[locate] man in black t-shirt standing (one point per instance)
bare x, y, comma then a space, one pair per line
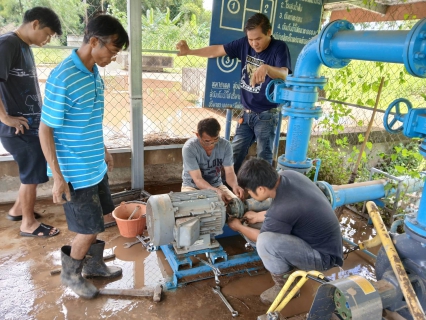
299, 230
20, 110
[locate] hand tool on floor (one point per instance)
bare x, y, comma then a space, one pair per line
58, 271
140, 240
155, 293
144, 241
215, 270
218, 292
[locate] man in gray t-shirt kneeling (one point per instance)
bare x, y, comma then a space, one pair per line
203, 159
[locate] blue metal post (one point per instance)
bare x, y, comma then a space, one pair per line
228, 124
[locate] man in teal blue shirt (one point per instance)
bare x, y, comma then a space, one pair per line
72, 141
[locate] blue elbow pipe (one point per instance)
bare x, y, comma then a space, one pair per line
336, 45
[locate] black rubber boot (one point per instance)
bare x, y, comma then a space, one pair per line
94, 265
71, 275
268, 296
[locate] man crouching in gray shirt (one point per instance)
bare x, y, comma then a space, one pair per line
203, 159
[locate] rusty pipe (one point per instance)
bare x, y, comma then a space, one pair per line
396, 263
370, 243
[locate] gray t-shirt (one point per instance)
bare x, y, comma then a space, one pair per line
302, 210
195, 157
19, 89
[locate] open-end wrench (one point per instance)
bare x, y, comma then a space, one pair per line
130, 244
218, 292
140, 240
215, 270
144, 241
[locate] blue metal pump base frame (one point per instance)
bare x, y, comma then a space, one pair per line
201, 271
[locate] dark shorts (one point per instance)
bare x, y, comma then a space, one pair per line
26, 151
85, 211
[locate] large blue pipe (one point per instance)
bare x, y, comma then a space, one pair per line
364, 191
336, 45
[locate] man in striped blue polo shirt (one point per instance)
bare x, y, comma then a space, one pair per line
72, 141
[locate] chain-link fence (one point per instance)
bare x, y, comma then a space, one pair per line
173, 87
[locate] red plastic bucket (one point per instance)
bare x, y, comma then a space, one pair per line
135, 226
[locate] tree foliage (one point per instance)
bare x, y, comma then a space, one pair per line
69, 11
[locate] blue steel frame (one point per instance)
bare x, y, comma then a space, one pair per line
178, 261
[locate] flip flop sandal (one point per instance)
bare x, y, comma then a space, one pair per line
19, 218
44, 229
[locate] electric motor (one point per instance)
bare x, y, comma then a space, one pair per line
188, 220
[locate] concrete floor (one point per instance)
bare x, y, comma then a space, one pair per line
28, 291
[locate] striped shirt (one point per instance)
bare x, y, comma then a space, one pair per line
74, 107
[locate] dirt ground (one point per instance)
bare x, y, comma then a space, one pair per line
28, 291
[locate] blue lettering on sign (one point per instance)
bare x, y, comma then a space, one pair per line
293, 21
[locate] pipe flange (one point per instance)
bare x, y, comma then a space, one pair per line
328, 191
293, 112
414, 54
414, 231
302, 167
306, 81
326, 35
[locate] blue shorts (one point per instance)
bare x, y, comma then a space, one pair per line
85, 211
26, 151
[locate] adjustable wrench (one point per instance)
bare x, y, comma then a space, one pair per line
217, 291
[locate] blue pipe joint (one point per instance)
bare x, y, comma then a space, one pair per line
302, 166
414, 55
325, 50
328, 191
414, 229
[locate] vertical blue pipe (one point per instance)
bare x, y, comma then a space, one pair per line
421, 217
298, 135
228, 124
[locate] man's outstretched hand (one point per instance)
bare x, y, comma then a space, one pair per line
182, 47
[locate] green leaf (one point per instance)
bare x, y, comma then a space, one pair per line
400, 169
370, 102
365, 87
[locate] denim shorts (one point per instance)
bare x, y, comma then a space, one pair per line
26, 151
85, 211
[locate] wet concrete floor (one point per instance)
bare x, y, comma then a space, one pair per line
28, 291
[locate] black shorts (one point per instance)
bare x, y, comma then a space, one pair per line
26, 151
85, 211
